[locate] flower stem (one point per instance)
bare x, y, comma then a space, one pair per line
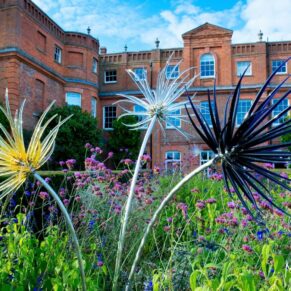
160, 208
124, 219
69, 224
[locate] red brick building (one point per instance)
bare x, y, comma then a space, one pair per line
40, 62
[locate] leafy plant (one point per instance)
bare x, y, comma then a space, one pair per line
80, 129
122, 141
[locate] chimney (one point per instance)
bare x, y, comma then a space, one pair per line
103, 50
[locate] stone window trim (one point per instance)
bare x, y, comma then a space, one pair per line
276, 63
207, 66
283, 105
109, 115
110, 76
58, 54
176, 121
172, 72
71, 95
172, 157
94, 66
241, 66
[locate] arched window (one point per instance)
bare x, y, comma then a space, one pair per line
207, 66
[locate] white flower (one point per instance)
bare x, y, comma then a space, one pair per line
160, 102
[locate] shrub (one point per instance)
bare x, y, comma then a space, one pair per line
80, 129
124, 142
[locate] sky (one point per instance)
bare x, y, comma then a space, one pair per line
138, 23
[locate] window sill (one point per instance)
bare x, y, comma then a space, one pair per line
41, 51
113, 82
107, 129
207, 77
58, 62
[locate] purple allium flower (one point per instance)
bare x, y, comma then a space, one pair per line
262, 275
284, 175
88, 146
78, 198
110, 155
170, 219
66, 202
62, 163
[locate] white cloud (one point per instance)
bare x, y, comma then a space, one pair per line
117, 23
272, 17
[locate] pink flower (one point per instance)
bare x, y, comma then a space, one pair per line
167, 228
146, 158
269, 166
195, 190
284, 175
88, 146
110, 155
66, 202
156, 170
200, 204
231, 205
247, 248
43, 195
210, 200
78, 198
128, 162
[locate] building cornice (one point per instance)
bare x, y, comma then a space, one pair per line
196, 89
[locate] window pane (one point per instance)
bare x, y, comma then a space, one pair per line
109, 116
172, 72
141, 73
204, 109
276, 64
110, 76
93, 106
241, 66
173, 160
242, 109
207, 66
282, 106
173, 121
140, 109
73, 98
94, 66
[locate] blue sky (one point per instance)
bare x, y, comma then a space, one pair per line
138, 23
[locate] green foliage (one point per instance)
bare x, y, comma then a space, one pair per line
124, 142
80, 129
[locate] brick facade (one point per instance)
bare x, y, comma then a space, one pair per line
28, 41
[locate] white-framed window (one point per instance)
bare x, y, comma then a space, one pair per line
241, 66
58, 54
278, 63
172, 160
205, 156
109, 115
110, 76
93, 107
174, 119
139, 109
207, 66
74, 98
94, 66
141, 73
172, 72
282, 106
243, 108
204, 109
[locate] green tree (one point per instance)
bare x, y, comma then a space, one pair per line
80, 129
123, 142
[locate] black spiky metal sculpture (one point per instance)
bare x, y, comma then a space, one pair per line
241, 149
